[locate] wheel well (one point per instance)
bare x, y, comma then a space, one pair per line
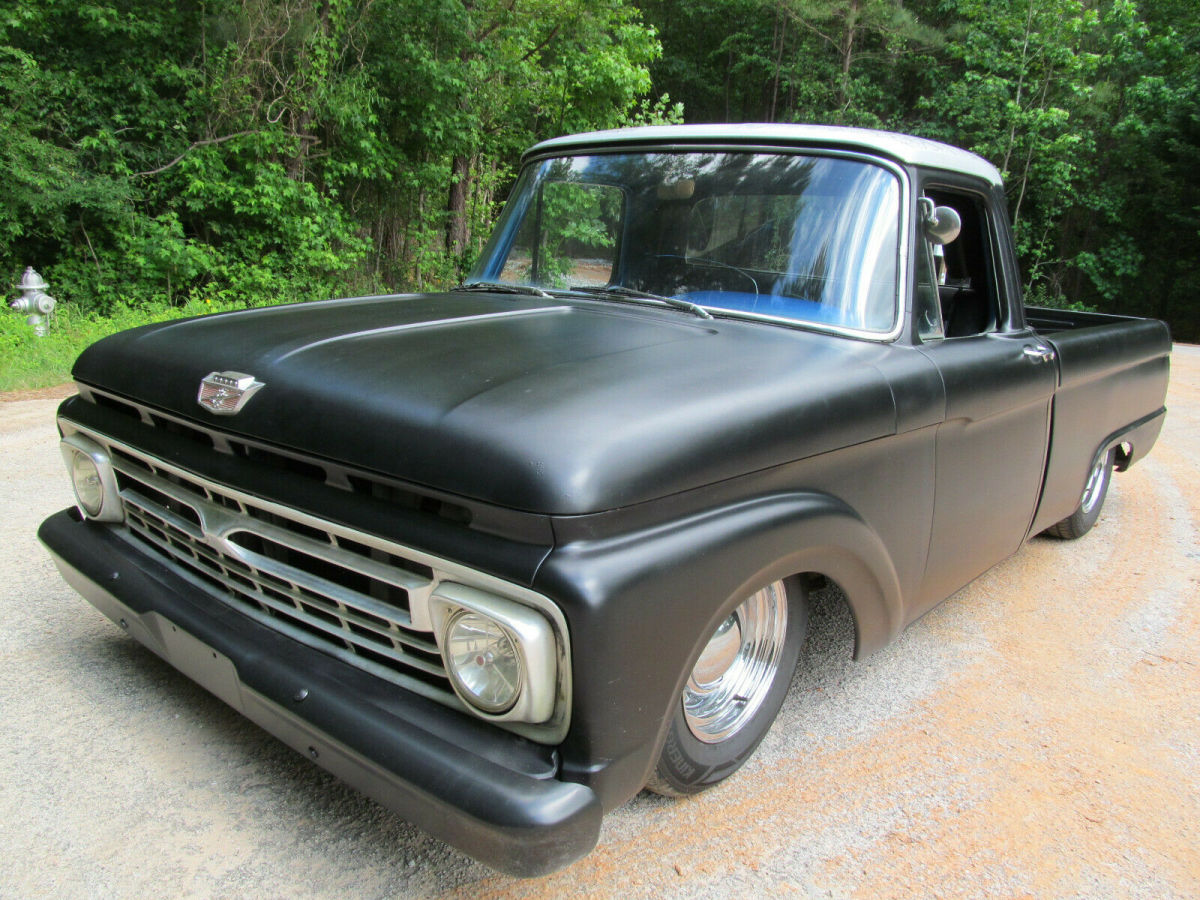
1124, 456
831, 615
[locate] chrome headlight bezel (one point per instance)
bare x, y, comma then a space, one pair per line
533, 639
109, 509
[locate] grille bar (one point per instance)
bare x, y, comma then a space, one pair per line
326, 587
230, 553
290, 604
221, 517
279, 596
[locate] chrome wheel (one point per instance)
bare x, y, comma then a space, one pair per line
1093, 491
733, 691
737, 667
1086, 514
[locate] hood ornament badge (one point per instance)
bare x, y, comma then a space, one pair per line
225, 393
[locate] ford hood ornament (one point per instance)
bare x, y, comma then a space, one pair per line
225, 393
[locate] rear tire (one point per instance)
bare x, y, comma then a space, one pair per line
1087, 512
734, 691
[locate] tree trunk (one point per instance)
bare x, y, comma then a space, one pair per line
779, 36
457, 231
302, 123
852, 14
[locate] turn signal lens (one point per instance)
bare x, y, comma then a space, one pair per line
483, 662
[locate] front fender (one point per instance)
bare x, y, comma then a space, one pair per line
640, 606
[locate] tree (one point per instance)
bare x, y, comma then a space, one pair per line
483, 80
272, 149
859, 36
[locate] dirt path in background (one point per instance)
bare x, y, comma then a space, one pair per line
1038, 735
58, 392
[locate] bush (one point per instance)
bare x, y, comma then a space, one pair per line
28, 361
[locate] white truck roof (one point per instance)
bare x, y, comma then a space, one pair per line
900, 147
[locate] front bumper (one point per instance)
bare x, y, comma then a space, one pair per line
491, 794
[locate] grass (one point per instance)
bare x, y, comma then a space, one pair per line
28, 362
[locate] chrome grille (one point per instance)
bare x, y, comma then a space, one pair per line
343, 592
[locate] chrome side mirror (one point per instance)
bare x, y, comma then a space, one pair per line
941, 223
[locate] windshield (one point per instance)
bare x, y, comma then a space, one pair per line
804, 238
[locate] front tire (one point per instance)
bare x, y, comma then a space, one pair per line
734, 691
1087, 512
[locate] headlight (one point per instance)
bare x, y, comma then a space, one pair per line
86, 478
93, 478
483, 662
502, 657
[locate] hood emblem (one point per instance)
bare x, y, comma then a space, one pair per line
225, 393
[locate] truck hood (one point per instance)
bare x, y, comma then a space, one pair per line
549, 406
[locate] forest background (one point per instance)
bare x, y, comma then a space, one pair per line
162, 158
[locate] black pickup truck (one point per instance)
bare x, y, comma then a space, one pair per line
501, 557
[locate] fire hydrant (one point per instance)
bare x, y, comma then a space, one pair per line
35, 301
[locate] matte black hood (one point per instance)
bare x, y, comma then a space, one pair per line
541, 405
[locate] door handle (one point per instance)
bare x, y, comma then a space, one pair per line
1039, 353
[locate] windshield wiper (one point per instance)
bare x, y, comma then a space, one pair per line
616, 291
503, 287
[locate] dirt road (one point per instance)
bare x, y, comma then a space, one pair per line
1037, 735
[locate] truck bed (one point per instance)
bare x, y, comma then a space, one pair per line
1112, 382
1045, 320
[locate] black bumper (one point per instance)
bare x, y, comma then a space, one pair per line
491, 794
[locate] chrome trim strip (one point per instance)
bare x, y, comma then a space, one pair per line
417, 326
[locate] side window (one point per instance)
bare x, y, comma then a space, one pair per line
966, 288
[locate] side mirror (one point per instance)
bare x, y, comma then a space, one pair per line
941, 224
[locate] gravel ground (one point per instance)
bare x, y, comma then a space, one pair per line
1037, 735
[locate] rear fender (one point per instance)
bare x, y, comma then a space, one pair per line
1112, 388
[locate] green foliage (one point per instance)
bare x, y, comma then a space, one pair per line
1019, 67
269, 149
1091, 111
28, 361
251, 151
482, 81
1041, 295
851, 62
